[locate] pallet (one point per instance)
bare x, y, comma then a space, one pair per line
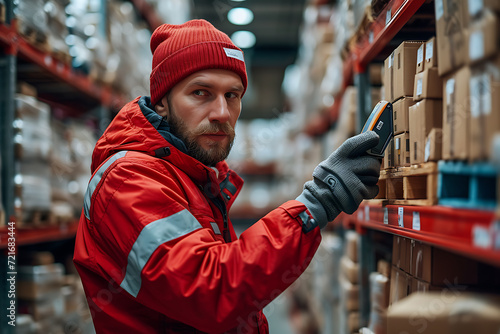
413, 185
465, 185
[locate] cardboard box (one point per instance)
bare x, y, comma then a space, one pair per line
379, 291
442, 268
349, 294
484, 87
375, 71
420, 58
434, 145
445, 313
431, 59
402, 149
400, 285
384, 268
484, 37
456, 115
396, 251
405, 62
388, 161
349, 269
423, 117
388, 77
37, 282
428, 85
451, 34
400, 110
353, 322
351, 245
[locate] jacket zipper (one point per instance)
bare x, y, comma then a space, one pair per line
222, 207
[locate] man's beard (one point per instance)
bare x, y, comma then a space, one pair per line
215, 153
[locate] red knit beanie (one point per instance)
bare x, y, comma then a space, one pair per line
180, 50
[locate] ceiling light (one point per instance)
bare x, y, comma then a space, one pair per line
243, 39
240, 16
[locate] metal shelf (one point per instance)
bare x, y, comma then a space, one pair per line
57, 81
382, 30
29, 236
472, 233
376, 37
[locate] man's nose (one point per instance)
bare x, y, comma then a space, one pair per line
219, 110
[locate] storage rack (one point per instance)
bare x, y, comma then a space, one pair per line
58, 84
471, 233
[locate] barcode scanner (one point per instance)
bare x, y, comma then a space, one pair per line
381, 122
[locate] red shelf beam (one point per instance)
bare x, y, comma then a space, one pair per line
28, 236
382, 33
472, 233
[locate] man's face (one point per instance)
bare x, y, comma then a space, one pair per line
202, 110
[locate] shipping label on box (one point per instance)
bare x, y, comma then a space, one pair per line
405, 62
433, 145
456, 115
484, 37
451, 34
428, 85
484, 87
430, 53
402, 149
400, 110
423, 117
420, 58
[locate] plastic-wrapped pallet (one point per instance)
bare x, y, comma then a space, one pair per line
39, 293
32, 142
32, 21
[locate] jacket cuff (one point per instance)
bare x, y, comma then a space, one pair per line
314, 207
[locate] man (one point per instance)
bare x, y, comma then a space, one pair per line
155, 248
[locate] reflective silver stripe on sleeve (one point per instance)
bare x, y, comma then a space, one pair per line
94, 181
151, 237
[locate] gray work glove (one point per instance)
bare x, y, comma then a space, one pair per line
343, 180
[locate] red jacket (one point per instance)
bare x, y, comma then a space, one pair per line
150, 246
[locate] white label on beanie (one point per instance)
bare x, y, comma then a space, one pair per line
237, 54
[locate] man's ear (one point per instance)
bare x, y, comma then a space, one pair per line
161, 107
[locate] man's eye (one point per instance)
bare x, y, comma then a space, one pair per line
231, 95
200, 92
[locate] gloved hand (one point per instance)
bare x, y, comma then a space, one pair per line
343, 180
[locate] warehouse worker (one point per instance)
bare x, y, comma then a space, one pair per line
155, 248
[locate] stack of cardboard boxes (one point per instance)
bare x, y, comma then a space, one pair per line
379, 297
53, 300
468, 43
399, 73
418, 267
425, 116
349, 285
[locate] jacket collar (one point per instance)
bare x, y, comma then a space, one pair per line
137, 127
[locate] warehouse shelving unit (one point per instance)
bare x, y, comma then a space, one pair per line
472, 233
